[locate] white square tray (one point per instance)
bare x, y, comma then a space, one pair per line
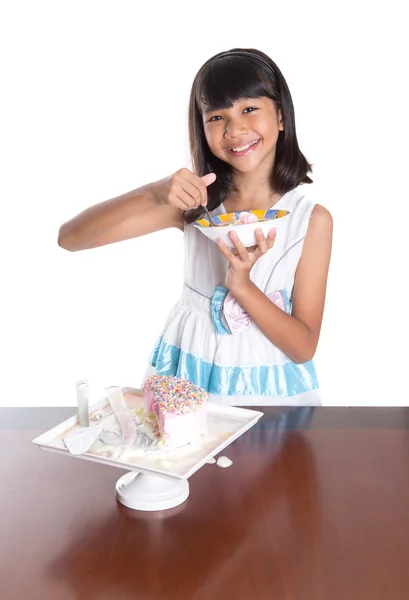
225, 424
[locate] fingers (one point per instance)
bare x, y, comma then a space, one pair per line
241, 248
263, 245
201, 188
195, 187
184, 203
187, 190
209, 179
226, 251
182, 192
206, 180
261, 241
271, 238
251, 248
193, 194
201, 184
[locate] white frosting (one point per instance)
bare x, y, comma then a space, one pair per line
224, 462
80, 439
183, 429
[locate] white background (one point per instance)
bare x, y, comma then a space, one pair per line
94, 103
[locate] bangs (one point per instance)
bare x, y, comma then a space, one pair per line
232, 78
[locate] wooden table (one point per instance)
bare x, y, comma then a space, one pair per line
314, 507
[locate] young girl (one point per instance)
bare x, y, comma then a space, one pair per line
247, 324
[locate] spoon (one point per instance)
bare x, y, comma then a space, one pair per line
211, 222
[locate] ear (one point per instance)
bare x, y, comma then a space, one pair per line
280, 121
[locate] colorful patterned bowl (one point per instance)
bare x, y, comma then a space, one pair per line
267, 220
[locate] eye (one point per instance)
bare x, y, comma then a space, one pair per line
250, 108
215, 118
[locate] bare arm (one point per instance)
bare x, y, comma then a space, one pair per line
150, 208
297, 334
130, 215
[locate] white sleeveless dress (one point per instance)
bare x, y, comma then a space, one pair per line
229, 356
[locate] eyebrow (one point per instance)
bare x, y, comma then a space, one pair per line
211, 110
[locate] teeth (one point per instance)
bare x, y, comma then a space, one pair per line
243, 147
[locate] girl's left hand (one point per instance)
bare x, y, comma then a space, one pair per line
243, 259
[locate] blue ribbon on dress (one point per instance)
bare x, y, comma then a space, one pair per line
286, 379
229, 317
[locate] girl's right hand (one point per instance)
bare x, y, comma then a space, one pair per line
183, 189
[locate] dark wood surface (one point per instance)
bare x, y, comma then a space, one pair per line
314, 507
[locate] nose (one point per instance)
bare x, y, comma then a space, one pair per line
234, 128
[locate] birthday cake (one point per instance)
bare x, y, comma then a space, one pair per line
179, 408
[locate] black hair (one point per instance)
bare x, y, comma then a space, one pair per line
226, 77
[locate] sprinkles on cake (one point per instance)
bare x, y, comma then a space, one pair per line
175, 395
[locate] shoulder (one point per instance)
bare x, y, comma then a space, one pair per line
304, 210
321, 216
318, 238
320, 223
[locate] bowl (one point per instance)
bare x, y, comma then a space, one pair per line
267, 220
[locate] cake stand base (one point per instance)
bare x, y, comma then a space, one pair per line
141, 491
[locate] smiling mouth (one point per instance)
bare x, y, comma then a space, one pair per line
244, 150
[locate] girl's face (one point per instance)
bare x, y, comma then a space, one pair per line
245, 135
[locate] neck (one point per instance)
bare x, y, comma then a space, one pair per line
254, 191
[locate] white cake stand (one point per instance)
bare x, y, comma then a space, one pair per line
143, 491
152, 484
